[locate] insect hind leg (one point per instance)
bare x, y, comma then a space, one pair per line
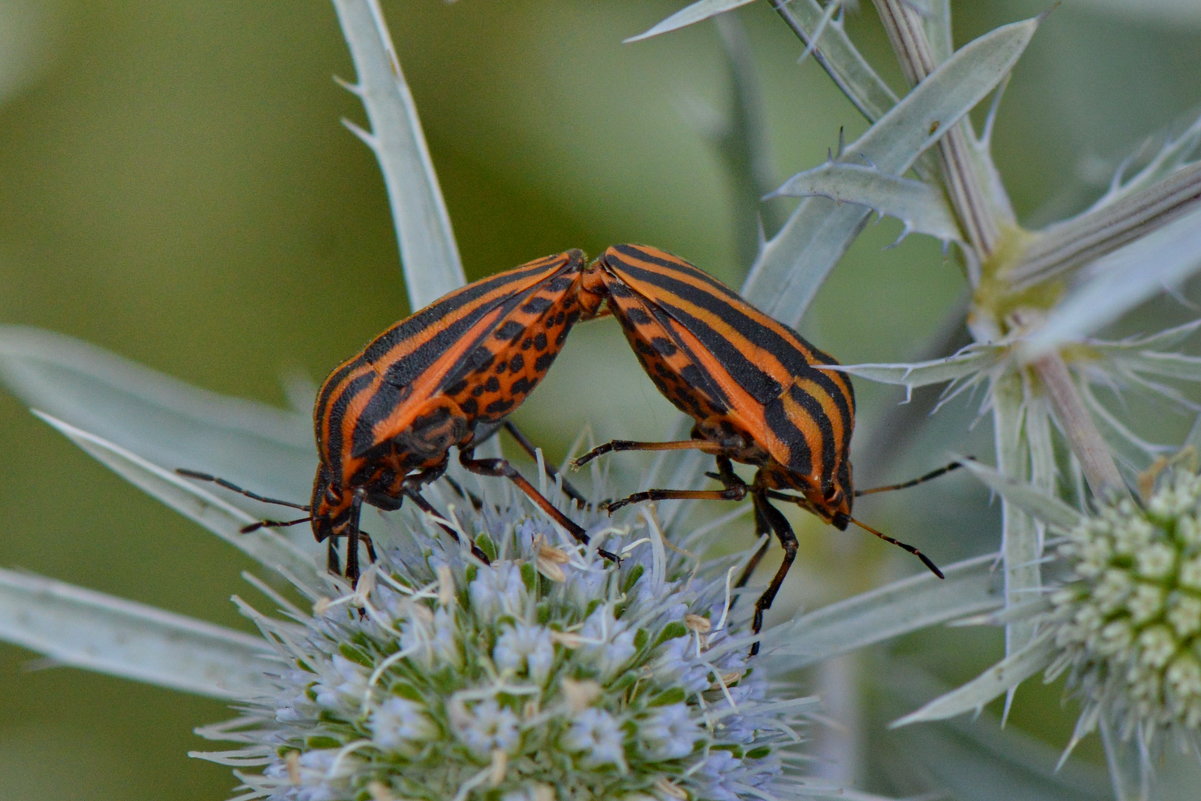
771, 517
551, 470
502, 468
414, 494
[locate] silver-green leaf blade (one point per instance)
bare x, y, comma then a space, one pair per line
156, 416
997, 680
690, 15
198, 504
919, 206
971, 587
428, 252
94, 631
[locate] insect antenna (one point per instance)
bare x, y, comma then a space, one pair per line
902, 545
229, 485
913, 482
273, 524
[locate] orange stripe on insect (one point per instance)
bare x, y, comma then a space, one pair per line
386, 419
754, 387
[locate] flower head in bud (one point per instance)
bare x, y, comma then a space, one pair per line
1127, 624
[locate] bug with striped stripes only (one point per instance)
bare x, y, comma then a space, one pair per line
755, 389
442, 378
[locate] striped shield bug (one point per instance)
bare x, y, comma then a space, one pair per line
444, 377
755, 389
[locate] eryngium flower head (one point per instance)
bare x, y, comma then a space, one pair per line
1128, 624
548, 674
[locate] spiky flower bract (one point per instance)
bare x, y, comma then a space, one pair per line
1127, 625
549, 673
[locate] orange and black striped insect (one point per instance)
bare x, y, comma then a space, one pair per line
755, 388
387, 418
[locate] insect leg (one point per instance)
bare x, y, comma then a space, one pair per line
501, 467
753, 562
735, 493
788, 541
353, 535
804, 503
735, 488
551, 470
726, 475
465, 493
414, 494
703, 445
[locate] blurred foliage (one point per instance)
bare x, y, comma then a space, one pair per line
175, 186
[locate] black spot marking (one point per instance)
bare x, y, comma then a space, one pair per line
498, 407
480, 359
508, 331
664, 346
536, 305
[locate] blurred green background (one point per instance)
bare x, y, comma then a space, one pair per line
175, 186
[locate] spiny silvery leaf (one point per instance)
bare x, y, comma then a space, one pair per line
158, 417
965, 754
919, 206
1168, 338
94, 631
833, 50
1126, 444
1071, 244
196, 503
1169, 365
1118, 282
826, 40
964, 364
428, 251
1032, 499
905, 606
1175, 151
689, 15
794, 263
998, 679
1021, 535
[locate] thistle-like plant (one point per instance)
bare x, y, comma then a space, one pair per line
548, 674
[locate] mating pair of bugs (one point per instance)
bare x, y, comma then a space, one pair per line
387, 418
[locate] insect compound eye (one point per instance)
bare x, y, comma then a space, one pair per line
833, 497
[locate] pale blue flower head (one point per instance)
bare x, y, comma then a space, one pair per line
444, 677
